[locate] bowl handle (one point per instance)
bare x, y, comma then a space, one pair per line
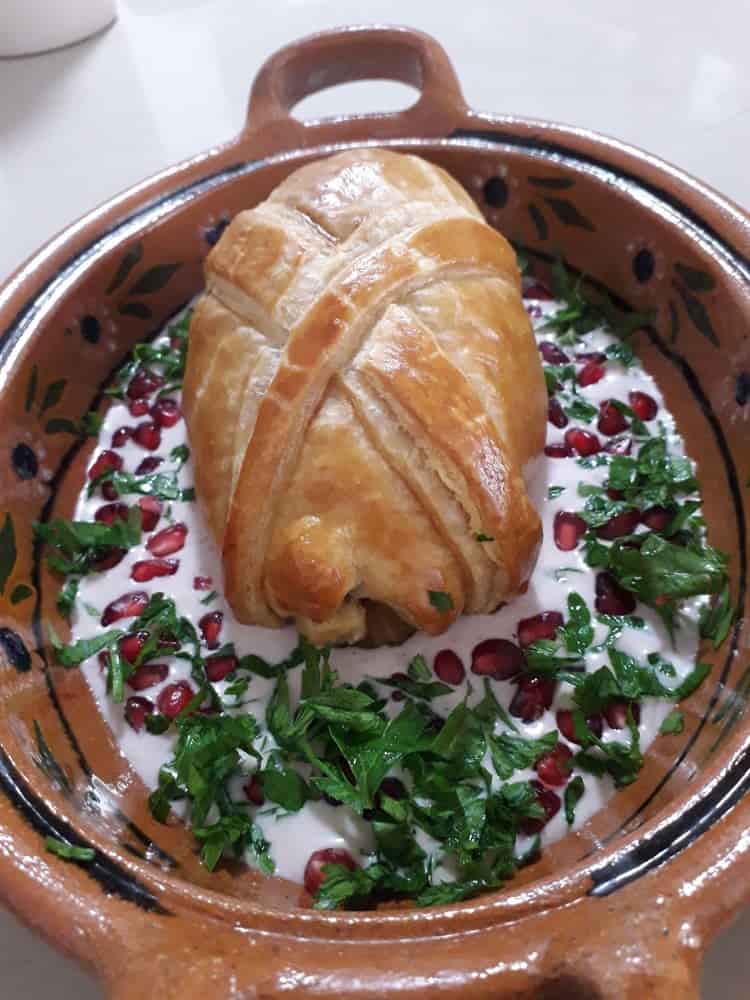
342, 56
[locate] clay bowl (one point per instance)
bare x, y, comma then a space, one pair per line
621, 908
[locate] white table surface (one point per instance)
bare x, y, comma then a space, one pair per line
171, 77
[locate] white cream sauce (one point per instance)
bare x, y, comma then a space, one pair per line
319, 825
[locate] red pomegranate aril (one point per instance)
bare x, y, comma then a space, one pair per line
174, 698
611, 598
147, 675
143, 383
498, 658
254, 791
315, 876
532, 698
210, 626
121, 437
393, 788
611, 419
619, 525
166, 412
138, 407
112, 557
591, 356
448, 667
538, 291
554, 767
150, 512
616, 713
556, 414
591, 373
217, 667
149, 464
584, 443
558, 450
109, 492
643, 405
148, 569
541, 626
147, 435
533, 310
168, 541
553, 354
550, 803
111, 512
131, 645
567, 529
136, 710
614, 494
106, 461
657, 518
126, 606
619, 446
567, 728
202, 582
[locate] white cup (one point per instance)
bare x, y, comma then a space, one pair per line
30, 26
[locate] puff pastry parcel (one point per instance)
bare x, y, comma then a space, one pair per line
363, 393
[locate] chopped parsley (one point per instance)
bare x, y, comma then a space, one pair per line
441, 601
68, 852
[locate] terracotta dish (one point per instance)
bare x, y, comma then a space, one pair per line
621, 908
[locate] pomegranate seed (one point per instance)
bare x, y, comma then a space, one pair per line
498, 658
147, 435
558, 450
111, 512
217, 667
533, 310
166, 412
566, 727
554, 767
202, 582
106, 461
596, 356
619, 446
614, 494
126, 606
393, 788
138, 407
121, 437
643, 405
611, 598
168, 540
619, 525
616, 713
314, 874
136, 710
149, 464
150, 512
131, 645
657, 518
583, 442
568, 529
538, 291
210, 626
533, 697
555, 414
147, 569
147, 675
553, 354
541, 626
254, 791
109, 492
550, 803
591, 373
448, 667
112, 557
174, 698
143, 383
611, 420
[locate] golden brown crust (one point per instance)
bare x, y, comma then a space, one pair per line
364, 348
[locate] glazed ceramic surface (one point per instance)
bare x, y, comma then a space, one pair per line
619, 908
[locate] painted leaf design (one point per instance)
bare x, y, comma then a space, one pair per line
20, 593
7, 551
154, 279
540, 223
552, 183
568, 214
695, 279
53, 394
60, 425
698, 314
130, 258
31, 389
138, 309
